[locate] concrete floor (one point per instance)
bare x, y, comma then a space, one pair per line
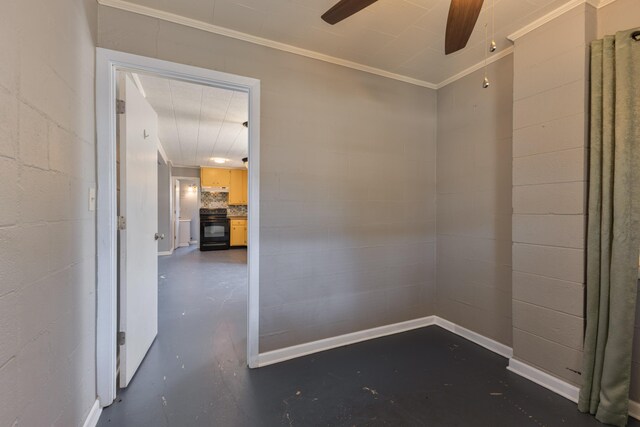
195, 373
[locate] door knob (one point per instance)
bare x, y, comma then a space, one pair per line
159, 236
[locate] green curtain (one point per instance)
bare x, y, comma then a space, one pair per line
613, 227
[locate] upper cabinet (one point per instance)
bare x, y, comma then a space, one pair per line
235, 180
238, 187
213, 177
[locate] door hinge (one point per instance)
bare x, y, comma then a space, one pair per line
122, 223
122, 337
121, 106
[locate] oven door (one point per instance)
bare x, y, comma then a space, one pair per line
214, 234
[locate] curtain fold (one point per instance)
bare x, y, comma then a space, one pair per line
613, 233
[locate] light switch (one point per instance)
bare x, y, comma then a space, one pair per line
92, 199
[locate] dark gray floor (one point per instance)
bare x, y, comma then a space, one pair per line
195, 373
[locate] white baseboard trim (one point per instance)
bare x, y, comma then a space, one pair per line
557, 385
94, 415
634, 409
547, 381
165, 253
288, 353
481, 340
305, 349
525, 370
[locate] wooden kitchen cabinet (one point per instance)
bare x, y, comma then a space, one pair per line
238, 187
238, 232
214, 177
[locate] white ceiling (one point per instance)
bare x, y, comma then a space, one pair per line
198, 122
405, 37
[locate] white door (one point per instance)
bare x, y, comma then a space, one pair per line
176, 216
138, 133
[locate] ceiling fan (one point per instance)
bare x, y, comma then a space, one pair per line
463, 15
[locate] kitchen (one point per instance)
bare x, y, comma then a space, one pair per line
223, 212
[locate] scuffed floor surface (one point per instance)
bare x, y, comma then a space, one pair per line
195, 373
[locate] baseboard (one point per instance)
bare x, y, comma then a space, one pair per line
165, 253
634, 409
518, 367
193, 242
557, 385
94, 415
300, 350
481, 340
544, 379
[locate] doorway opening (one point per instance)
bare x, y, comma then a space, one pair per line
179, 145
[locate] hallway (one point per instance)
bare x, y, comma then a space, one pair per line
202, 324
195, 373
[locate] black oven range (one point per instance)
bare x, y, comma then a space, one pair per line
214, 229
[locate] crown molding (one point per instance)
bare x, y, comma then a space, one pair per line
478, 66
603, 3
598, 4
545, 19
215, 29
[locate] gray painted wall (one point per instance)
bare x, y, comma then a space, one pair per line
47, 233
182, 172
164, 205
347, 182
617, 16
474, 202
549, 179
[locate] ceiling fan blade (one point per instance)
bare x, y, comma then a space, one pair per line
463, 15
344, 9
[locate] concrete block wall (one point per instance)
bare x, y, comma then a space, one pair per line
549, 192
474, 202
47, 233
347, 182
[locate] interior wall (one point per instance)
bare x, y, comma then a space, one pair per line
47, 233
189, 202
347, 182
550, 145
164, 205
185, 172
474, 202
618, 16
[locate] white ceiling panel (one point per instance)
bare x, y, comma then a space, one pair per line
399, 36
198, 123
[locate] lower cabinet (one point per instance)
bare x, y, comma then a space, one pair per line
238, 232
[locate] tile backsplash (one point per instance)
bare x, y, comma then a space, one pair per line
211, 200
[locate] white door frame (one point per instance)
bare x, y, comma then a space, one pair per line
108, 62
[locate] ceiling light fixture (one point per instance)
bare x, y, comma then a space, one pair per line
219, 160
